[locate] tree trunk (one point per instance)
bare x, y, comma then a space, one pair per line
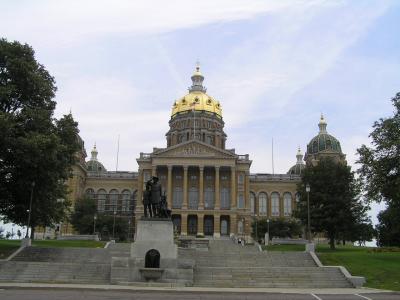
332, 243
344, 242
32, 232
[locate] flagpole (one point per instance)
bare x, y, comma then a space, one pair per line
116, 167
273, 169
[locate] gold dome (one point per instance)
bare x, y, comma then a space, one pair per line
197, 98
201, 102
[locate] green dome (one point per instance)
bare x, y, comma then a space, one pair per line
323, 142
297, 169
95, 166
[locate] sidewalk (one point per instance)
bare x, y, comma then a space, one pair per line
334, 291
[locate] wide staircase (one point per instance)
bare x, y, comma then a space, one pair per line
227, 264
61, 265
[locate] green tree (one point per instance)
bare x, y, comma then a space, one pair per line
279, 227
388, 229
82, 219
34, 146
335, 205
380, 173
380, 164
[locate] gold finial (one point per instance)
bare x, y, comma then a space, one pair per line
197, 66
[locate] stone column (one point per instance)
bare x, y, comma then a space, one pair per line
200, 224
201, 188
185, 187
217, 193
280, 205
233, 188
247, 190
183, 224
233, 224
217, 225
169, 187
153, 170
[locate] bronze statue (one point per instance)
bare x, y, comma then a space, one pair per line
156, 193
147, 200
154, 201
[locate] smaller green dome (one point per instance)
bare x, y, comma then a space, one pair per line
299, 167
93, 165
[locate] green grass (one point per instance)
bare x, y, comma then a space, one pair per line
67, 244
7, 247
284, 247
381, 269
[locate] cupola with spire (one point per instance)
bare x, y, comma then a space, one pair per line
93, 165
299, 167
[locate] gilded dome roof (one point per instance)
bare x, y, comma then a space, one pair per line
323, 141
197, 99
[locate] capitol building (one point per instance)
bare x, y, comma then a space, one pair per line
209, 188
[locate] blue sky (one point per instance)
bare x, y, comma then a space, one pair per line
274, 66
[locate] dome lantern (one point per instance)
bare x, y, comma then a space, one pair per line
197, 81
94, 153
322, 125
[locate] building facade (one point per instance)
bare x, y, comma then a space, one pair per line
210, 188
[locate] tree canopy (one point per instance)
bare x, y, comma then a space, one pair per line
335, 205
380, 173
380, 164
35, 147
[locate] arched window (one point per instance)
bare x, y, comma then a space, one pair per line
275, 204
262, 204
126, 197
177, 197
113, 200
252, 203
315, 147
101, 200
287, 204
225, 198
209, 198
90, 193
193, 198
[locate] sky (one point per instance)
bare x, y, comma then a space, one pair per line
275, 66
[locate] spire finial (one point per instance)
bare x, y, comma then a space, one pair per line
299, 156
197, 65
322, 124
94, 152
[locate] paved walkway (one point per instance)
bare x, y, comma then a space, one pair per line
86, 292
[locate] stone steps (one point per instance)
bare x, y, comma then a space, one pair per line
227, 264
20, 271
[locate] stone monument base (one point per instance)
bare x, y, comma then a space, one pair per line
153, 234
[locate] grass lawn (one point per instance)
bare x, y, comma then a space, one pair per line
381, 269
284, 247
7, 247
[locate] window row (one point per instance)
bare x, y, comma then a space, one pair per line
275, 204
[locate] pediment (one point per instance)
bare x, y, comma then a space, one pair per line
194, 149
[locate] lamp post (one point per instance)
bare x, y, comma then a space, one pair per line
115, 212
94, 224
256, 227
268, 231
308, 212
30, 210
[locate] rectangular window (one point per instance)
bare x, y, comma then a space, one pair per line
240, 200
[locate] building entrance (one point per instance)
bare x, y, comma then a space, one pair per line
208, 225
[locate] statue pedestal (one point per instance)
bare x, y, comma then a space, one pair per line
153, 233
